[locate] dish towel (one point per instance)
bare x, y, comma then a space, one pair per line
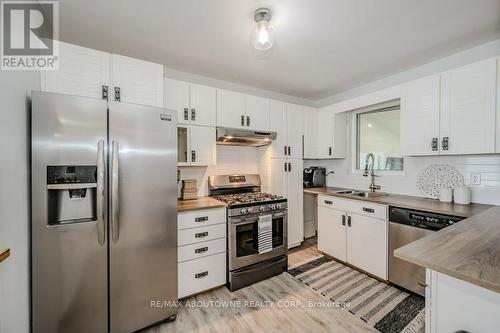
265, 236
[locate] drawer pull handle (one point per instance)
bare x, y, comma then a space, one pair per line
348, 221
343, 220
328, 202
201, 234
201, 249
201, 219
368, 210
201, 275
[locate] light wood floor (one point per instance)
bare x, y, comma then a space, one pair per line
285, 307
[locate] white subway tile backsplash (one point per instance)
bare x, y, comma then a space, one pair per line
230, 159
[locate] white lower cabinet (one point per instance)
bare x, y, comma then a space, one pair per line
355, 232
453, 305
202, 248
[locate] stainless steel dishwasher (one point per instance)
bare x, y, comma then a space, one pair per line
406, 226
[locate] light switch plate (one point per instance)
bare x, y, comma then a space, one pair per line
475, 179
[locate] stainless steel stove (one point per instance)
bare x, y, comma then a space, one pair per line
247, 207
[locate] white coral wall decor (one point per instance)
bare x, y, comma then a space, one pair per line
437, 176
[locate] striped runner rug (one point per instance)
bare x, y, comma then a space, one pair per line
384, 307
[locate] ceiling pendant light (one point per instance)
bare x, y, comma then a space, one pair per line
263, 35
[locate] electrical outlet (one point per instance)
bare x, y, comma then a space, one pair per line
475, 179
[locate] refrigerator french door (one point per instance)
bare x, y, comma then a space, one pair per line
103, 214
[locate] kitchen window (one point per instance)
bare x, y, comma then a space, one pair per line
377, 131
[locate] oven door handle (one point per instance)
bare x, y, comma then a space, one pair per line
238, 221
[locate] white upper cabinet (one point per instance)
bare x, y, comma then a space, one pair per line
257, 113
331, 134
203, 105
237, 110
277, 123
177, 98
195, 145
453, 113
82, 72
137, 81
310, 133
288, 121
195, 104
420, 103
295, 129
468, 109
230, 109
91, 73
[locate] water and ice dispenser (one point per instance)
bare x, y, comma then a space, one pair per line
71, 193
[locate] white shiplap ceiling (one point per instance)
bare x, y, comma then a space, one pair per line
323, 46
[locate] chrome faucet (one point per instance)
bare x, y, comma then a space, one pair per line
372, 186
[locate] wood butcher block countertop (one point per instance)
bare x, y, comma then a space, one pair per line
468, 250
198, 204
4, 254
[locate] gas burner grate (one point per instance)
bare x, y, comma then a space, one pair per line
243, 198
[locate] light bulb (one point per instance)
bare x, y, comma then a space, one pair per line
263, 35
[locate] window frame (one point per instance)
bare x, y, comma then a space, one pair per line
353, 128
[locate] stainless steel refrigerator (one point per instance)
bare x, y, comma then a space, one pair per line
104, 215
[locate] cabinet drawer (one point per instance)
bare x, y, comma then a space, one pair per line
202, 249
201, 218
201, 274
354, 206
201, 234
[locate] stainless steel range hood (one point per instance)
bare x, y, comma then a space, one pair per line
243, 137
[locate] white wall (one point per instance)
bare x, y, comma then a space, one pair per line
14, 203
487, 165
230, 160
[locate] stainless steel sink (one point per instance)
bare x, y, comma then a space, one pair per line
362, 194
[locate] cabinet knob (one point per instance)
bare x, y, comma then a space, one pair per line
105, 92
248, 121
193, 114
117, 94
329, 151
242, 120
186, 117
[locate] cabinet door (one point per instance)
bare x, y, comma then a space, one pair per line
140, 82
257, 113
420, 104
367, 244
468, 109
339, 145
230, 109
203, 105
332, 235
325, 134
81, 72
202, 145
295, 200
177, 98
295, 129
277, 123
310, 132
278, 177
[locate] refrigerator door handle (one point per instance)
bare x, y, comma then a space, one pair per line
101, 198
115, 208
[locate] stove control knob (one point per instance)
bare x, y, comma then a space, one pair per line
243, 211
272, 207
261, 208
250, 210
278, 206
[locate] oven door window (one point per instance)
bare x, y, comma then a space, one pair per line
247, 239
